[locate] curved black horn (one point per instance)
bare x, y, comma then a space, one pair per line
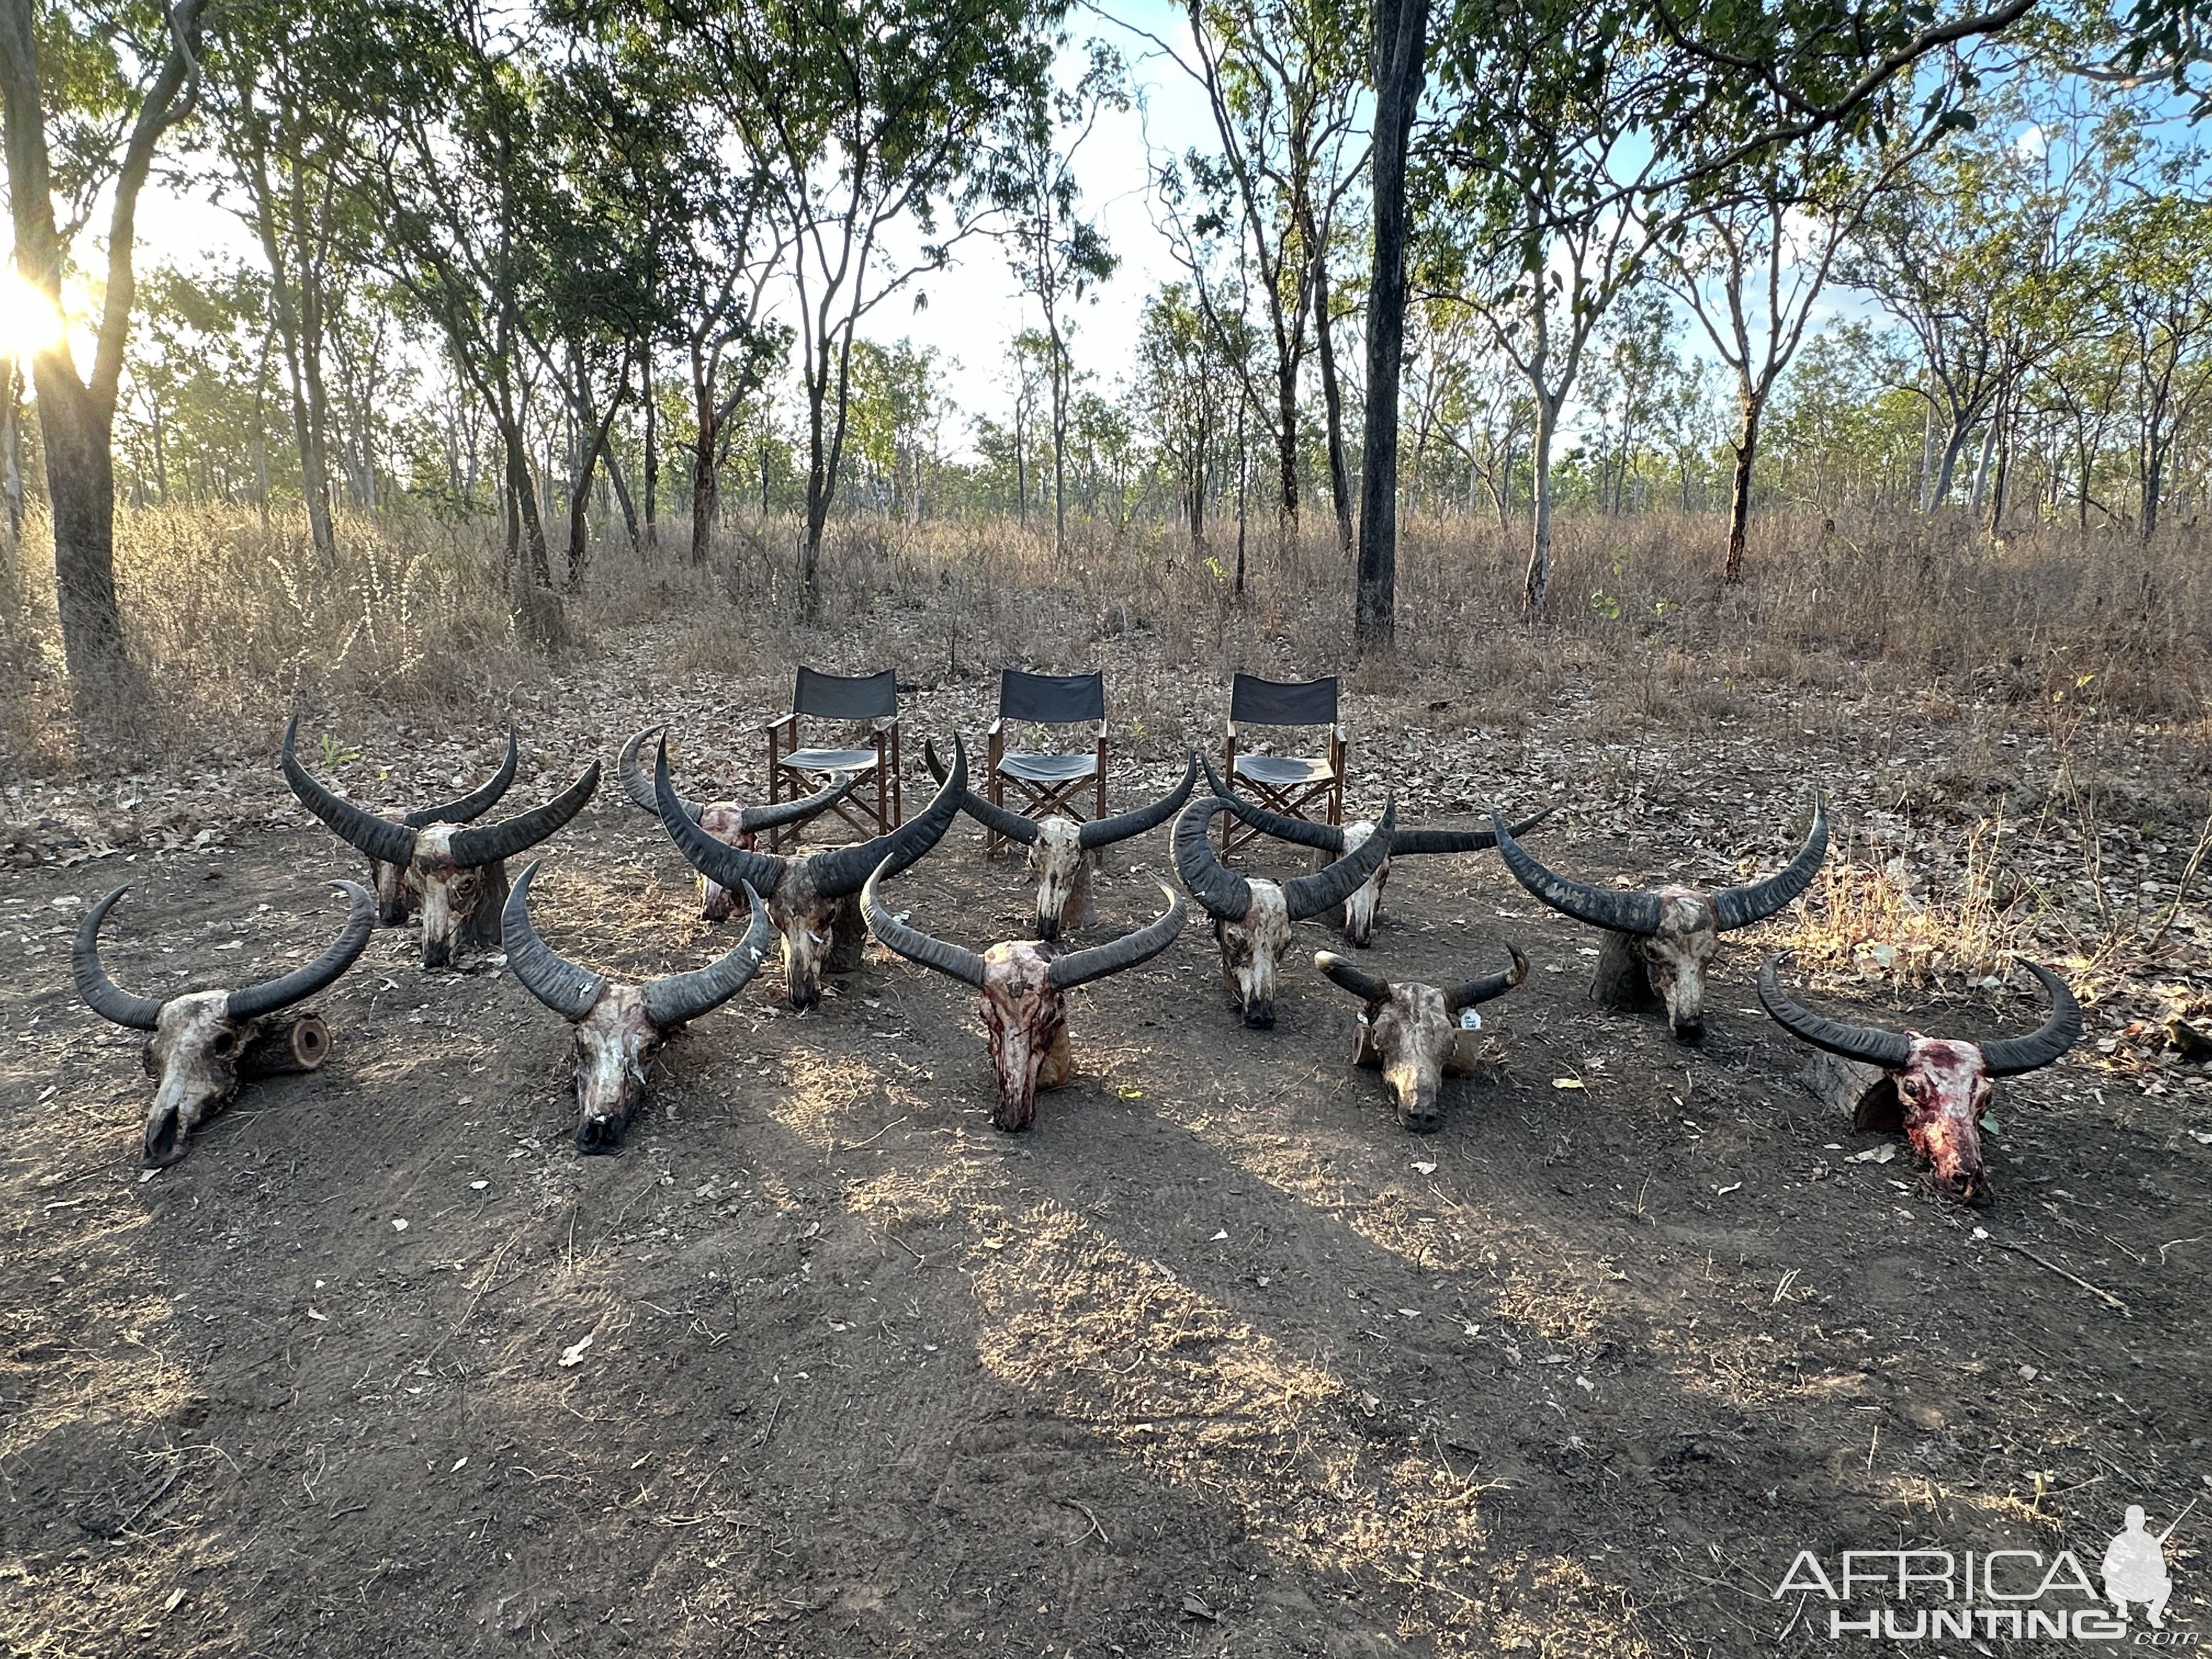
639, 787
1341, 972
253, 1001
675, 998
1601, 907
503, 840
380, 838
988, 813
1457, 997
1303, 832
1123, 826
1226, 897
726, 865
1739, 907
845, 869
467, 809
913, 945
2010, 1056
1131, 950
1308, 896
1417, 840
93, 984
567, 988
1870, 1044
752, 820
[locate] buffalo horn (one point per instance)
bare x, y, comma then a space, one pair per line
913, 945
253, 1001
467, 809
1015, 826
1081, 967
1226, 897
380, 838
100, 992
1342, 973
639, 787
1871, 1045
1601, 907
675, 998
1739, 907
752, 820
567, 988
2010, 1056
845, 869
1457, 997
1124, 826
1419, 841
1308, 896
726, 865
494, 841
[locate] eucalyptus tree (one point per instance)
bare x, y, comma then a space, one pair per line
1282, 82
2157, 270
1760, 248
1058, 254
869, 120
88, 96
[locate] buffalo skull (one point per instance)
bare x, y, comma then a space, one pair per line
196, 1040
1059, 846
1338, 839
620, 1027
1659, 942
1024, 987
811, 900
459, 874
1412, 1032
1938, 1088
1252, 919
725, 820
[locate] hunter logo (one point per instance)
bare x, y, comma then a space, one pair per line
1931, 1595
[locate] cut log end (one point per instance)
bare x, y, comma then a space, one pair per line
301, 1043
1867, 1093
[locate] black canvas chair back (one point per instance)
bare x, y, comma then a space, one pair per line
1051, 699
1046, 783
1255, 701
1310, 787
845, 696
794, 771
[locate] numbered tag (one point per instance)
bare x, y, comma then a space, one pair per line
1469, 1020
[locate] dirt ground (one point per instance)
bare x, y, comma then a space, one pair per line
1216, 1360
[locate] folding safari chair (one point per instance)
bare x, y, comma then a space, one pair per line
793, 771
1292, 785
1049, 782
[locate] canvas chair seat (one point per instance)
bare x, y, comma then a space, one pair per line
1048, 769
831, 760
1285, 771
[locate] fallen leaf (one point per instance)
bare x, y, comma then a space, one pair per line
1566, 1083
1425, 1169
574, 1355
1195, 1608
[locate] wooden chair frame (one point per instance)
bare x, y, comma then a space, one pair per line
1292, 800
1043, 798
866, 819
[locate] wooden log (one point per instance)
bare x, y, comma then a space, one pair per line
848, 937
1867, 1092
1618, 980
300, 1043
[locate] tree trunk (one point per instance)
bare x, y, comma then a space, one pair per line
652, 480
1537, 587
1287, 442
706, 478
1746, 456
522, 491
1331, 399
1400, 27
73, 431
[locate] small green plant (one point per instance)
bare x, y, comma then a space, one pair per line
1605, 604
335, 755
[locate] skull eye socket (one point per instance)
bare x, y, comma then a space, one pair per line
225, 1043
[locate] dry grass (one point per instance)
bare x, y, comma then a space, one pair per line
235, 617
1868, 914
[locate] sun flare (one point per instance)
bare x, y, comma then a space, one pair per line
29, 322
